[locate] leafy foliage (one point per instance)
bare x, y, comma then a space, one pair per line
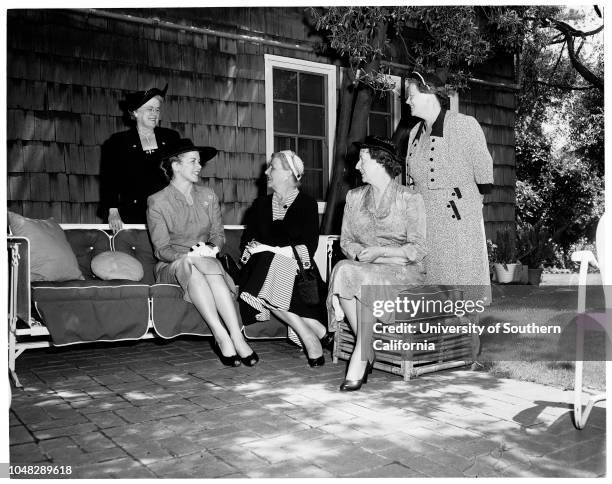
452, 39
559, 135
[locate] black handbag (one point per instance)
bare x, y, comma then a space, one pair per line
307, 282
230, 266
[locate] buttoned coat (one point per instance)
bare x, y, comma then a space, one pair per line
447, 163
129, 175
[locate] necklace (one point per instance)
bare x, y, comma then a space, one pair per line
151, 145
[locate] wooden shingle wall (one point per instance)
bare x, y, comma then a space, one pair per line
68, 71
494, 108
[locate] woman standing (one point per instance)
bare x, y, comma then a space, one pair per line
179, 217
383, 238
451, 167
281, 228
130, 161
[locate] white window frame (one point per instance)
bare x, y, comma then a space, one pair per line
330, 72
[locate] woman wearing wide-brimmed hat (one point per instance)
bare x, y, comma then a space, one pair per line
130, 160
186, 214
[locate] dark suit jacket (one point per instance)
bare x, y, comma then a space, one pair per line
128, 175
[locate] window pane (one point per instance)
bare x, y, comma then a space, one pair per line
285, 117
284, 143
285, 84
379, 125
312, 184
312, 121
311, 88
380, 102
311, 152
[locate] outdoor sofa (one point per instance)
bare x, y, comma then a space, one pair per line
91, 310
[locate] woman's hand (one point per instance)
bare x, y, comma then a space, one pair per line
114, 220
370, 254
255, 247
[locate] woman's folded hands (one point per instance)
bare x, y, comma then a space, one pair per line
383, 255
202, 249
255, 247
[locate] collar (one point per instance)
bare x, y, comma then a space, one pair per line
389, 196
288, 200
178, 195
437, 129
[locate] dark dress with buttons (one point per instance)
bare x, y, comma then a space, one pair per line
129, 175
447, 163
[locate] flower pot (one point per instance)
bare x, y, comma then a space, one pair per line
521, 274
535, 276
505, 274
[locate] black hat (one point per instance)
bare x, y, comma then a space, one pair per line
185, 145
136, 99
379, 144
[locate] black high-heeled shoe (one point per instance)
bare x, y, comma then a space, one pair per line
327, 341
250, 360
232, 360
354, 385
314, 362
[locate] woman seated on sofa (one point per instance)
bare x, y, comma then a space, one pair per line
280, 228
383, 237
180, 216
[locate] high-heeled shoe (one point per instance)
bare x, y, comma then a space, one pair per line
354, 385
327, 341
314, 362
232, 360
250, 360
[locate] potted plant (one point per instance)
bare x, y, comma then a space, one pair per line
505, 263
535, 248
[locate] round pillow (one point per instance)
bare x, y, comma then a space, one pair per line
116, 265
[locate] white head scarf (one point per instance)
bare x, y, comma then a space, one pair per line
295, 163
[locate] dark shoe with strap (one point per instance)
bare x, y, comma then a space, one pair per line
327, 341
250, 360
232, 360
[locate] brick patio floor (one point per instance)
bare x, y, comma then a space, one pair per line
151, 409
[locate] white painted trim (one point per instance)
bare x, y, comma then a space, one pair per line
454, 100
330, 71
396, 101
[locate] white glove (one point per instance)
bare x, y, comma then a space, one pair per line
202, 249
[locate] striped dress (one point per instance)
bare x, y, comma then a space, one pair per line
267, 280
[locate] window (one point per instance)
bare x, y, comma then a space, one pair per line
301, 116
385, 112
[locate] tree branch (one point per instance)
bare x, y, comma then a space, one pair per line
566, 87
570, 34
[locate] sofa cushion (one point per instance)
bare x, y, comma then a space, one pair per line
172, 315
136, 243
86, 244
113, 265
87, 311
51, 257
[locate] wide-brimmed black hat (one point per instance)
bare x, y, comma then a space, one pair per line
379, 144
185, 145
136, 99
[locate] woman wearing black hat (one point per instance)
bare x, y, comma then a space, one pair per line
448, 161
181, 216
130, 161
383, 238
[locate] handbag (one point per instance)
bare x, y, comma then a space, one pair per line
230, 266
307, 282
